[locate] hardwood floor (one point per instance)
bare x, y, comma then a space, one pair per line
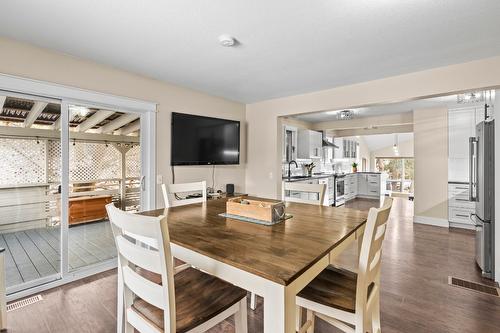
417, 261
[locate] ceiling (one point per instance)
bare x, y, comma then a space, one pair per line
286, 47
449, 101
379, 141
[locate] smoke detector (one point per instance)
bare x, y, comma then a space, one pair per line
227, 40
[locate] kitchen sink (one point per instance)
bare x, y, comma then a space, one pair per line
296, 177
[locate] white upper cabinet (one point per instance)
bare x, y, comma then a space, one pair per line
289, 143
461, 126
310, 144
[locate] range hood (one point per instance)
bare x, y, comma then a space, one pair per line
326, 143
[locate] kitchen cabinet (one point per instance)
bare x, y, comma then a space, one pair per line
370, 184
459, 206
461, 126
310, 144
349, 148
289, 143
351, 186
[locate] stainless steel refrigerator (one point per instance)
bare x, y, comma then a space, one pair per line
482, 192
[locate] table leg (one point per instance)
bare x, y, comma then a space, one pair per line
279, 310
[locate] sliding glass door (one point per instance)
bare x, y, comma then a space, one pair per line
104, 167
30, 190
61, 163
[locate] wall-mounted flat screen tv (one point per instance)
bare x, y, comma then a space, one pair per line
198, 140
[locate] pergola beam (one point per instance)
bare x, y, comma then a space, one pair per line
20, 132
34, 113
130, 128
123, 120
95, 119
57, 124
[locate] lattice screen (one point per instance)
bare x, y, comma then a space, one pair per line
87, 161
22, 161
133, 162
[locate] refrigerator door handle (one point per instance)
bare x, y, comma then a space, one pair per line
472, 170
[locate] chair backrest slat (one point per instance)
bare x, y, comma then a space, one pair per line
139, 256
129, 230
172, 190
371, 253
145, 289
318, 189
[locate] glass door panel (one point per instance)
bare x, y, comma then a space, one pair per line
30, 183
104, 167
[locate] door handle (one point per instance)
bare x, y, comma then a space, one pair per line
472, 170
143, 183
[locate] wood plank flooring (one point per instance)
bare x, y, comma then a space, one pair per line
415, 297
35, 253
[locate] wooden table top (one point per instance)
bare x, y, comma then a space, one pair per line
279, 253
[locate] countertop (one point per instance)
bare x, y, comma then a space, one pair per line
457, 182
326, 175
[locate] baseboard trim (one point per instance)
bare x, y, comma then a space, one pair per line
431, 221
462, 226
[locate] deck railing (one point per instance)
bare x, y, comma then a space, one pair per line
30, 206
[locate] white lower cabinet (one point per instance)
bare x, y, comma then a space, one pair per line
364, 185
459, 206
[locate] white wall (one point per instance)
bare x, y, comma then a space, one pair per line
36, 63
405, 149
263, 163
430, 137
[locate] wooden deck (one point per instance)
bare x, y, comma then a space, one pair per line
35, 253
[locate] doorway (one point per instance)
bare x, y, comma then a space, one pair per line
62, 162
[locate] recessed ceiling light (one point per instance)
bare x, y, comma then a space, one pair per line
227, 40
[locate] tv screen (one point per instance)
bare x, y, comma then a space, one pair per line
198, 140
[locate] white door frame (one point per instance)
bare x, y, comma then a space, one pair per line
71, 95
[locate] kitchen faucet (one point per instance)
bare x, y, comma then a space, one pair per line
289, 167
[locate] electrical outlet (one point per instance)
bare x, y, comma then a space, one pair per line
159, 179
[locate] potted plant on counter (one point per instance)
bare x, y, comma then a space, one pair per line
355, 167
309, 168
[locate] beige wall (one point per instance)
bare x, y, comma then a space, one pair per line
364, 152
31, 62
431, 162
405, 149
263, 139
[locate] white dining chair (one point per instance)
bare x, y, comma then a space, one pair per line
343, 298
318, 191
176, 194
151, 298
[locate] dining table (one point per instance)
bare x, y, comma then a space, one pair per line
272, 261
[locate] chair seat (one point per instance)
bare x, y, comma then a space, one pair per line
333, 287
198, 298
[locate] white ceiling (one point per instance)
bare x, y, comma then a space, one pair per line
378, 110
287, 46
379, 141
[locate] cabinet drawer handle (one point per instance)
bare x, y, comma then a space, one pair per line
458, 199
374, 191
461, 215
462, 188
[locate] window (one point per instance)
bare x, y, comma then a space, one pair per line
400, 171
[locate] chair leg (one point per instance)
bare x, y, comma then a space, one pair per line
240, 318
252, 301
310, 316
119, 306
298, 318
376, 328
